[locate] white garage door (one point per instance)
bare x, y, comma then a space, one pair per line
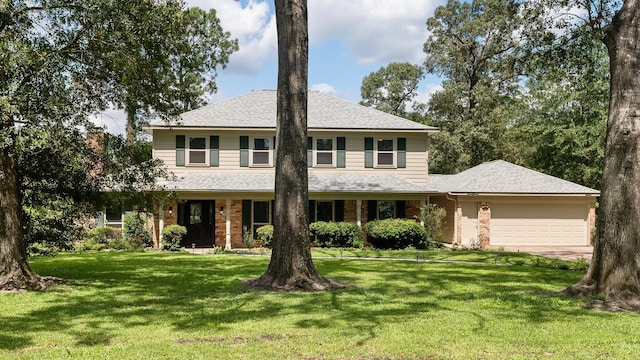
538, 224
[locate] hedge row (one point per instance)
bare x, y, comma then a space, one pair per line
396, 234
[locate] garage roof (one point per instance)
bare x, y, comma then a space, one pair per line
502, 177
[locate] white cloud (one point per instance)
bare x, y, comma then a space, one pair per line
325, 89
373, 30
253, 24
425, 92
114, 121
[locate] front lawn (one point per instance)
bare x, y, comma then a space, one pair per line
181, 306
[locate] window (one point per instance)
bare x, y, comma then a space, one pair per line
195, 213
324, 151
386, 210
261, 214
197, 150
324, 211
385, 152
260, 152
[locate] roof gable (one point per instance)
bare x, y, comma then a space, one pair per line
504, 177
257, 109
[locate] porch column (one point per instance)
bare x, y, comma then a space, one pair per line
227, 236
423, 203
160, 224
359, 212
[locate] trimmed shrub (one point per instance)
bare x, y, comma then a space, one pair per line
336, 234
396, 234
104, 234
171, 237
265, 235
432, 216
135, 231
248, 240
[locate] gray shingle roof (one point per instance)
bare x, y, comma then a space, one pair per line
257, 109
237, 182
503, 177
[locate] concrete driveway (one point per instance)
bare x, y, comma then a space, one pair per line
558, 252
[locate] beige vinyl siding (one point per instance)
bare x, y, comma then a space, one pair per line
416, 156
229, 154
448, 231
469, 225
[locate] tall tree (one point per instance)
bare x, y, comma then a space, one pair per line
474, 47
178, 57
391, 88
615, 268
51, 57
560, 126
291, 267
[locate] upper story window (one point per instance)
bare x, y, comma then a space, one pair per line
261, 154
197, 150
385, 152
324, 151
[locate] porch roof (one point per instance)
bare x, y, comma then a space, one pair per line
318, 183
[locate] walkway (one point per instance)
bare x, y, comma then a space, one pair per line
558, 252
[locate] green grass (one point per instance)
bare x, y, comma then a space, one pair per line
181, 306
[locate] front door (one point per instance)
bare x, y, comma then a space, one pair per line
198, 216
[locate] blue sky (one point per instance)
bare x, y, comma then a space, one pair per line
348, 40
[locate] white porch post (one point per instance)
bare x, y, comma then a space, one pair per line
160, 224
422, 204
359, 212
227, 236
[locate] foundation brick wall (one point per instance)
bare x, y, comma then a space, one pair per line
484, 225
350, 211
236, 224
168, 220
221, 222
412, 210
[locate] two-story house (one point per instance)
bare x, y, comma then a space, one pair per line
363, 164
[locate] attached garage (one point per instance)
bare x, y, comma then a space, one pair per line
502, 204
548, 223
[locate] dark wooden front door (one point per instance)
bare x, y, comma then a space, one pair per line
199, 217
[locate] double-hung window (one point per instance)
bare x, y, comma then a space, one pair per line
197, 150
324, 152
261, 154
385, 152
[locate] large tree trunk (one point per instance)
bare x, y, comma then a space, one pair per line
291, 267
615, 268
15, 272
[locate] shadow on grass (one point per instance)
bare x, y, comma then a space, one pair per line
109, 291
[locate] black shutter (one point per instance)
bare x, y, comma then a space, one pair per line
341, 154
244, 151
372, 210
339, 210
402, 153
309, 151
180, 145
401, 209
368, 152
312, 211
246, 216
214, 150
